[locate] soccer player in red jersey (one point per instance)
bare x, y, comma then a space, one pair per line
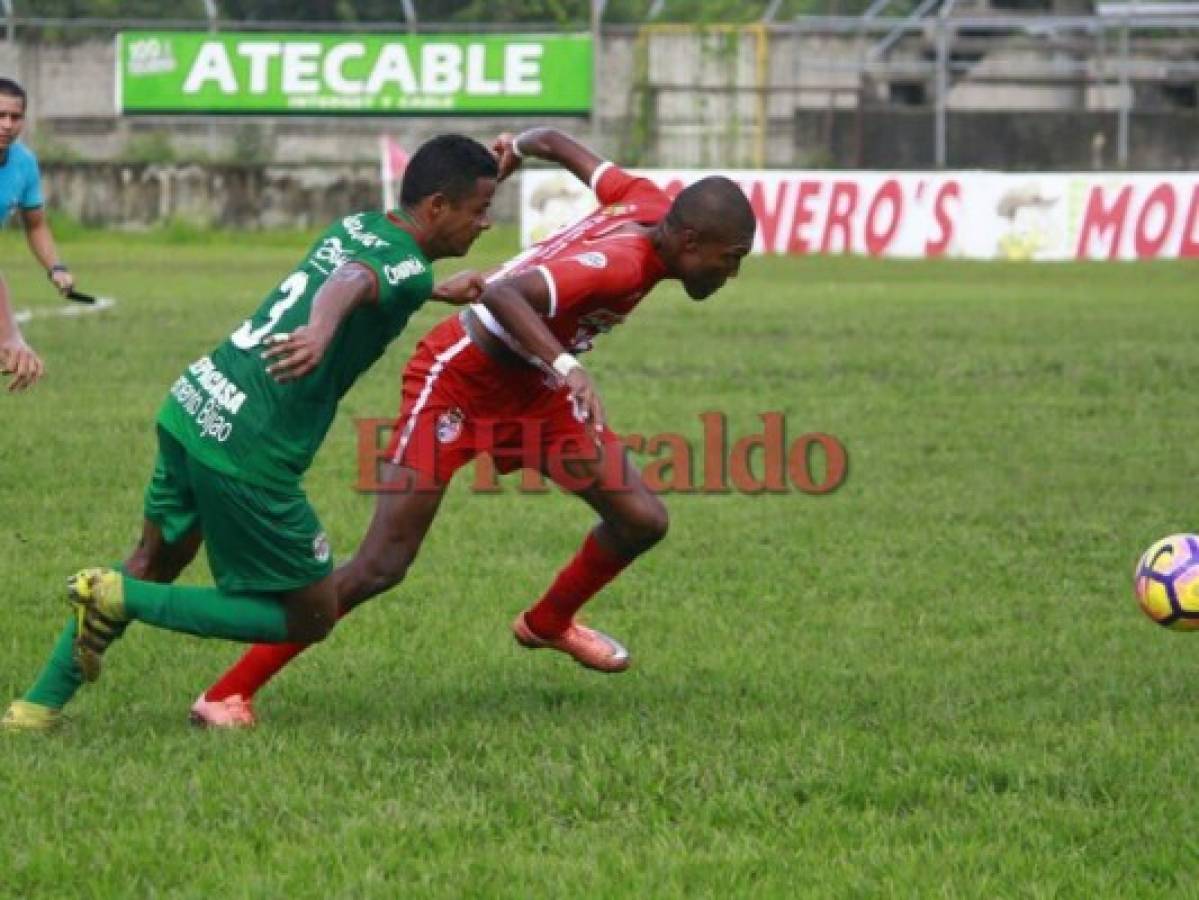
502, 379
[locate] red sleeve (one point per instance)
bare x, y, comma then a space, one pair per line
589, 275
612, 184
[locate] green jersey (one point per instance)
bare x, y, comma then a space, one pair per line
235, 418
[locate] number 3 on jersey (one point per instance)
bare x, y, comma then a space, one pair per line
248, 337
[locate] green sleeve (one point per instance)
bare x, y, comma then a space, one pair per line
405, 280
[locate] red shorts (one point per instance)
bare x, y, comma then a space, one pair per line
459, 403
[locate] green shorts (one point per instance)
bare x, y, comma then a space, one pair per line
259, 540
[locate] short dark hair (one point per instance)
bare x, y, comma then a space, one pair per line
448, 164
713, 207
9, 88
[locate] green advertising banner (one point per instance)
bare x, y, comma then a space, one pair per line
191, 72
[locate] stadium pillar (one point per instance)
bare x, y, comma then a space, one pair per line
761, 33
940, 141
597, 17
1125, 99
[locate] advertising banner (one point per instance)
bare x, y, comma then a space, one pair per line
187, 72
970, 215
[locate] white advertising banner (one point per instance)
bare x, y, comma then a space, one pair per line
969, 215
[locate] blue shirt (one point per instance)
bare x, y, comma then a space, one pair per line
20, 181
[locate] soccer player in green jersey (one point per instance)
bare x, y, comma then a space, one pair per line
240, 426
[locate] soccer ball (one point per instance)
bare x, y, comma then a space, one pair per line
1166, 582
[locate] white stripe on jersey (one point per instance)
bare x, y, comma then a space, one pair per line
553, 288
483, 314
439, 363
598, 174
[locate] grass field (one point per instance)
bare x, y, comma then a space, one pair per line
933, 681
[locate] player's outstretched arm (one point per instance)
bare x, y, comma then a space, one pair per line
549, 144
41, 242
292, 356
16, 357
517, 303
457, 290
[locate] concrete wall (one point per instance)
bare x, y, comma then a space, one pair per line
1002, 140
226, 196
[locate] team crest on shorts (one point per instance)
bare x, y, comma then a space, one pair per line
320, 548
449, 425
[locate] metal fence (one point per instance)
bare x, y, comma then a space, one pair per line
1122, 72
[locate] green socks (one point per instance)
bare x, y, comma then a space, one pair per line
60, 679
207, 612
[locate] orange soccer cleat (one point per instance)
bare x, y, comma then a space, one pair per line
232, 712
589, 647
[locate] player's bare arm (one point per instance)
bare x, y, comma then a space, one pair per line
16, 357
518, 304
41, 242
548, 144
292, 356
457, 290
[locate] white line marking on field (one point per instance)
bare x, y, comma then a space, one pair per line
71, 311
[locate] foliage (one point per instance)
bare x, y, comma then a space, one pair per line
110, 9
52, 149
149, 147
558, 12
251, 144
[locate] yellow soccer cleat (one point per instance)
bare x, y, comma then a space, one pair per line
98, 598
22, 715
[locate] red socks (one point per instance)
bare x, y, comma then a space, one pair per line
256, 667
582, 578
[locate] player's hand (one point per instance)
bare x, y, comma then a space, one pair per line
584, 394
292, 356
465, 287
63, 280
508, 161
18, 360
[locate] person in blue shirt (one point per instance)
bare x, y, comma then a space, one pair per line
21, 189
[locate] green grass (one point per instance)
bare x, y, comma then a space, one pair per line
933, 681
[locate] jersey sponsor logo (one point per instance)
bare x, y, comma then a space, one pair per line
592, 260
203, 411
353, 226
601, 321
208, 399
449, 425
402, 271
333, 253
218, 385
321, 551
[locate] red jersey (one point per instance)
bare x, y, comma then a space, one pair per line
596, 274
